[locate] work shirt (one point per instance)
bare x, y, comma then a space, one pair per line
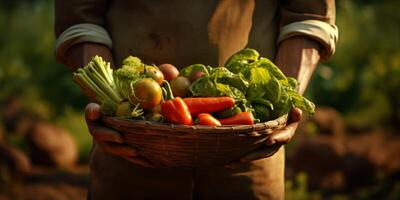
183, 33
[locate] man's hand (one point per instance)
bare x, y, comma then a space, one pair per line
274, 141
109, 140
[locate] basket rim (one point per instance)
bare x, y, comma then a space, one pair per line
258, 127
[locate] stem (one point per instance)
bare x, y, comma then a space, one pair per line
169, 94
87, 89
103, 85
99, 64
88, 82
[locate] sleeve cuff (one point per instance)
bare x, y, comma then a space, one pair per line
80, 33
324, 33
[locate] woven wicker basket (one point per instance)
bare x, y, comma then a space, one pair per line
170, 145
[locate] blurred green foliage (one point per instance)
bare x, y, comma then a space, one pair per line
363, 77
27, 65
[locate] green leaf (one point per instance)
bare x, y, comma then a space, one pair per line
241, 59
258, 78
195, 68
271, 67
223, 75
292, 82
227, 90
283, 106
273, 90
203, 87
301, 102
262, 112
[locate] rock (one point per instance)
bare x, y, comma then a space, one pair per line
15, 118
16, 161
329, 121
52, 146
320, 158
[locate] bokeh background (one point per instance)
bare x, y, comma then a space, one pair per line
348, 150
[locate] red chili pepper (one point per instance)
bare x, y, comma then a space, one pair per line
175, 110
207, 119
243, 118
199, 105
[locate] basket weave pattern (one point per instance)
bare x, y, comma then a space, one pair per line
171, 145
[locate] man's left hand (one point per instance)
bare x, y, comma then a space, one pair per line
274, 141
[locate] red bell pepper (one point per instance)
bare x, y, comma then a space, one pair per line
199, 105
175, 110
207, 119
243, 118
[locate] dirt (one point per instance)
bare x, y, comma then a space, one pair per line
50, 184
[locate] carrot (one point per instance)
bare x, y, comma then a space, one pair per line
199, 105
243, 118
207, 119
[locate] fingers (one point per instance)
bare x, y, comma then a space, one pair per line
139, 161
126, 152
102, 134
264, 152
284, 135
92, 113
122, 150
98, 132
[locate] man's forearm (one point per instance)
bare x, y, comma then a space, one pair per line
298, 57
79, 55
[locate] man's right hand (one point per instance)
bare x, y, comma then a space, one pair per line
109, 140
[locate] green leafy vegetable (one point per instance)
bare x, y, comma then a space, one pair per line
241, 60
224, 76
262, 86
195, 68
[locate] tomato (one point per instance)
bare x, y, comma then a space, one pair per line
170, 72
147, 92
195, 75
180, 86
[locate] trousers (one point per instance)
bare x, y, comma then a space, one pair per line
113, 178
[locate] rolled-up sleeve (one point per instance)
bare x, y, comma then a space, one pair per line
311, 18
78, 21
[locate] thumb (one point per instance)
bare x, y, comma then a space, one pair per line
92, 112
295, 115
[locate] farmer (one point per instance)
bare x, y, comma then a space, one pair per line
296, 34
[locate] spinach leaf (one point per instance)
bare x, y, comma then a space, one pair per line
203, 87
223, 75
195, 68
271, 67
241, 59
301, 102
207, 87
262, 112
258, 78
273, 90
